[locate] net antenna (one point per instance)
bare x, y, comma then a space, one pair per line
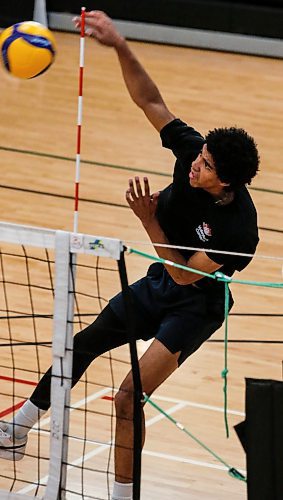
79, 120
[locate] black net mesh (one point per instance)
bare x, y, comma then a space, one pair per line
26, 317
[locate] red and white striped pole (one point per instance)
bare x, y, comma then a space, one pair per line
79, 123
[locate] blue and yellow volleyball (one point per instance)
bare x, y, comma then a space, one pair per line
27, 49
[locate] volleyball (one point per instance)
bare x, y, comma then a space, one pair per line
27, 49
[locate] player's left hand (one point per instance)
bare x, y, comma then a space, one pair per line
141, 201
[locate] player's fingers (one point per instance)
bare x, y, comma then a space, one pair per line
95, 16
90, 14
146, 186
138, 187
91, 32
128, 197
95, 13
132, 189
76, 21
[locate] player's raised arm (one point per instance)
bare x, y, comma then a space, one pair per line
142, 89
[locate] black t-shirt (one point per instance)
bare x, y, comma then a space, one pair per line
190, 217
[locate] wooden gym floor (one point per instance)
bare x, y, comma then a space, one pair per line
37, 151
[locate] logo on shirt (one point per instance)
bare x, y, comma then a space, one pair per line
204, 231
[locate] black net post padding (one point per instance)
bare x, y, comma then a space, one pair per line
138, 396
260, 477
261, 435
278, 437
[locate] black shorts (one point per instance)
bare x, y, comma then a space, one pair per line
181, 317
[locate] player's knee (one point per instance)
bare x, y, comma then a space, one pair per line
124, 403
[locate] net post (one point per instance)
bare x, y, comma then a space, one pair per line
138, 394
62, 358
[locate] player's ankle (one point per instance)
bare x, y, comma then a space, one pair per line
25, 419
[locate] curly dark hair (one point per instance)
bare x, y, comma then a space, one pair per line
235, 155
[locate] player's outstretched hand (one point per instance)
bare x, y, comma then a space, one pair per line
141, 201
101, 27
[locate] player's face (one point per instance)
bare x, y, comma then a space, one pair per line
203, 173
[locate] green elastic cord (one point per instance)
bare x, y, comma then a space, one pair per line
231, 470
222, 277
236, 474
169, 263
216, 276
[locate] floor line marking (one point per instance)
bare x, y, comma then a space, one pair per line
17, 406
18, 380
160, 416
197, 405
175, 458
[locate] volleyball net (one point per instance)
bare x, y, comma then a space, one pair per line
52, 284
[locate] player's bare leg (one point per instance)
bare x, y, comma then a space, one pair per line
156, 365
